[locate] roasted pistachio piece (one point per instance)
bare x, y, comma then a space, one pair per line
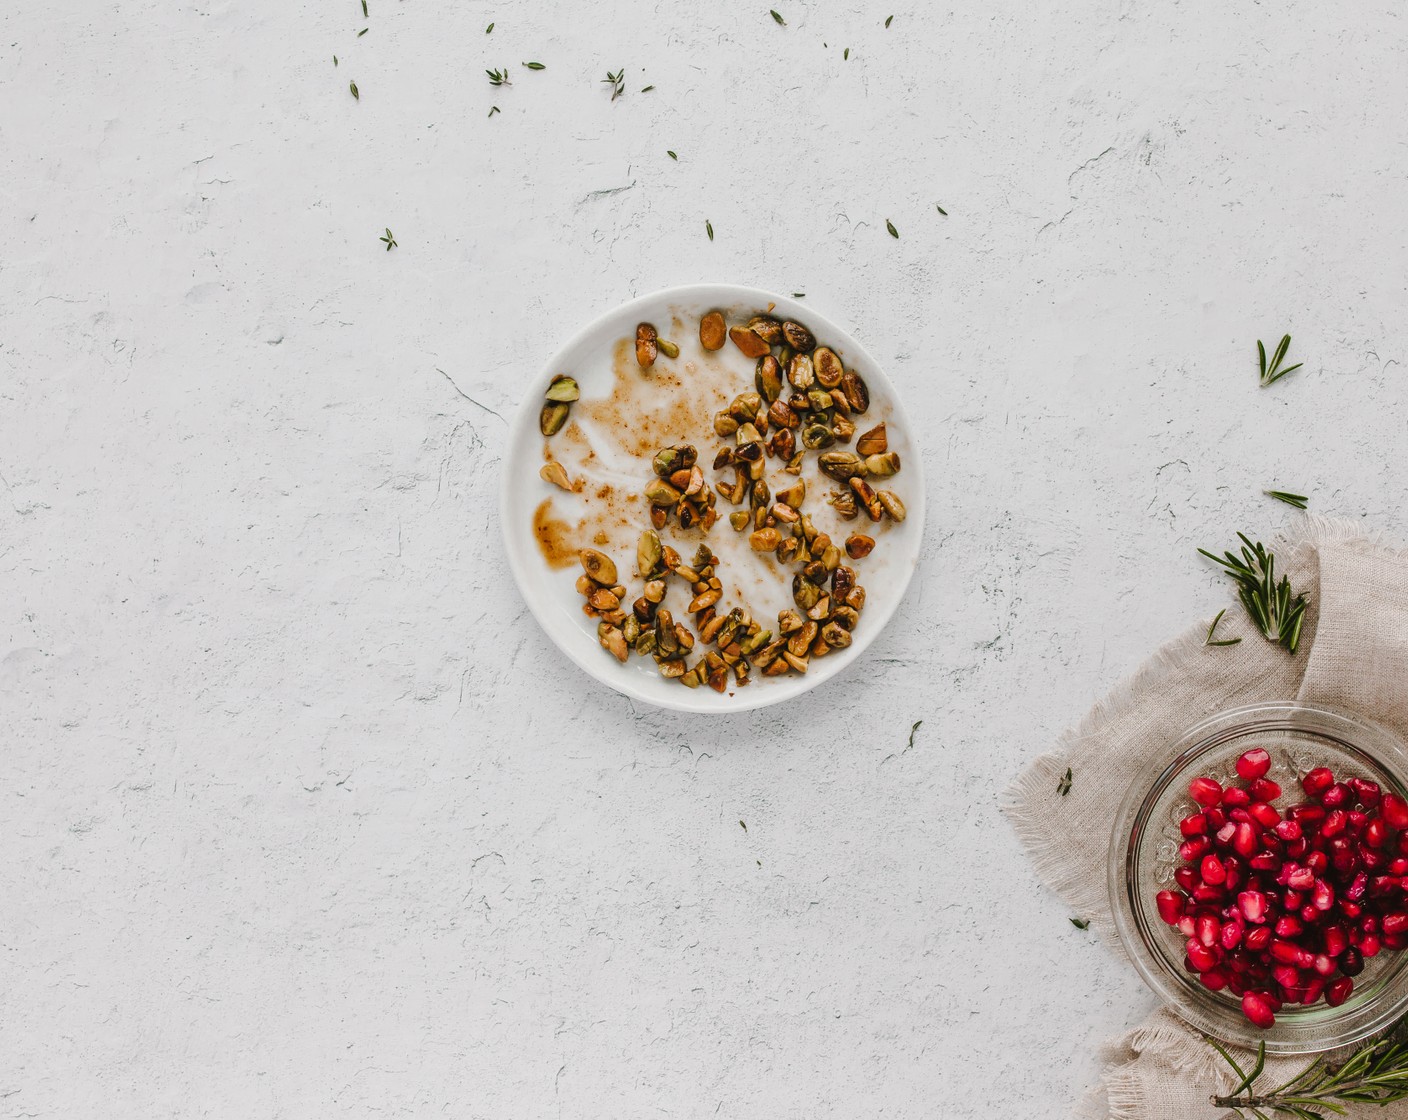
828, 367
723, 458
764, 540
614, 640
768, 378
882, 466
725, 425
801, 373
745, 406
841, 465
856, 393
739, 519
712, 331
844, 503
842, 428
555, 473
836, 636
563, 389
648, 553
783, 444
891, 504
767, 328
798, 337
671, 459
818, 401
804, 592
873, 442
646, 344
553, 416
598, 565
794, 495
748, 342
658, 492
858, 546
817, 436
668, 348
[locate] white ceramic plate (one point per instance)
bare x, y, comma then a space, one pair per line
624, 416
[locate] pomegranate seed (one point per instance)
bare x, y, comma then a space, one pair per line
1264, 814
1317, 862
1337, 991
1214, 978
1287, 952
1395, 924
1288, 830
1306, 814
1202, 956
1322, 896
1237, 798
1317, 781
1288, 976
1186, 878
1324, 964
1335, 822
1291, 900
1231, 935
1367, 793
1216, 817
1262, 861
1235, 986
1244, 840
1335, 940
1351, 909
1338, 796
1170, 906
1372, 859
1395, 811
1252, 904
1206, 894
1226, 832
1256, 1008
1214, 873
1191, 850
1254, 764
1312, 989
1351, 962
1185, 925
1301, 879
1205, 791
1376, 833
1264, 789
1309, 915
1369, 945
1288, 925
1195, 825
1207, 929
1396, 941
1258, 939
1398, 866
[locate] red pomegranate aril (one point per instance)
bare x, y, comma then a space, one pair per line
1292, 900
1335, 940
1207, 894
1287, 952
1244, 840
1369, 945
1207, 928
1258, 1010
1317, 781
1288, 925
1395, 811
1338, 796
1214, 978
1226, 832
1288, 976
1205, 791
1380, 886
1396, 941
1288, 830
1338, 990
1358, 888
1216, 817
1306, 814
1372, 859
1171, 905
1312, 989
1236, 798
1264, 789
1394, 924
1263, 861
1186, 878
1351, 910
1195, 825
1318, 862
1309, 915
1214, 873
1202, 956
1324, 964
1257, 939
1351, 962
1253, 764
1190, 851
1322, 895
1231, 935
1185, 925
1235, 985
1367, 793
1300, 879
1335, 822
1264, 814
1252, 904
1357, 820
1397, 866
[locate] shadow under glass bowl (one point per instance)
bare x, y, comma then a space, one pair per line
1144, 855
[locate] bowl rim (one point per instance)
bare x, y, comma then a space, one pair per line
783, 689
1223, 1020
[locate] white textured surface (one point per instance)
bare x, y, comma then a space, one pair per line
303, 816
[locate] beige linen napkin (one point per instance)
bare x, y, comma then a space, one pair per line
1353, 656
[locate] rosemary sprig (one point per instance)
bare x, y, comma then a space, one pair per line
499, 77
1374, 1074
1297, 500
617, 82
390, 239
1063, 787
889, 225
1273, 373
1278, 613
1221, 641
777, 19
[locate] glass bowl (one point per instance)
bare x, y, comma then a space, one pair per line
1144, 856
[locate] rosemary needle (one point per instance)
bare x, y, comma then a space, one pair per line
489, 29
887, 22
709, 227
777, 18
889, 225
1297, 500
1272, 373
353, 87
1063, 787
1208, 641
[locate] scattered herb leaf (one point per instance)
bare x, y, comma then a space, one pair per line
1270, 374
390, 240
493, 109
743, 826
672, 156
1063, 787
1375, 1074
353, 87
917, 724
941, 210
888, 20
334, 60
1278, 613
1297, 500
647, 89
535, 66
846, 54
489, 29
889, 225
364, 9
363, 32
617, 82
777, 19
709, 227
799, 295
1208, 641
1080, 923
499, 77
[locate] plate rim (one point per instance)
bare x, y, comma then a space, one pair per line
748, 699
